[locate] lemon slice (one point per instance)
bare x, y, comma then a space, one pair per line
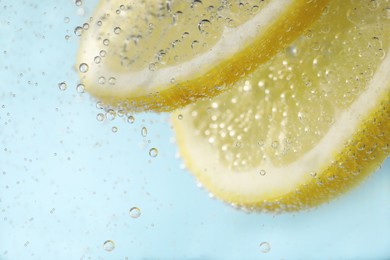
306, 126
163, 54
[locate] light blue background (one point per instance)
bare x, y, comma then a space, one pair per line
67, 181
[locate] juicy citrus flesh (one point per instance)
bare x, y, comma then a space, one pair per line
160, 55
304, 127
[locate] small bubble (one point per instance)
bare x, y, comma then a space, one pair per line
117, 30
83, 67
78, 31
67, 37
114, 129
152, 66
109, 245
102, 53
194, 44
204, 25
112, 81
97, 59
153, 152
110, 114
80, 88
106, 42
78, 2
66, 20
86, 26
135, 212
263, 172
102, 80
265, 247
144, 131
130, 119
100, 117
180, 117
62, 86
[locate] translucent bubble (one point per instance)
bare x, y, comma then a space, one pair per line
100, 117
67, 37
80, 88
62, 86
117, 30
153, 152
180, 117
83, 68
144, 131
109, 245
78, 2
262, 172
106, 42
97, 59
204, 26
265, 247
114, 129
102, 80
130, 119
112, 81
102, 53
66, 20
86, 26
110, 114
135, 212
78, 31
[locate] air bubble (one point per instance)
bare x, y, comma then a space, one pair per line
109, 245
180, 117
83, 68
100, 117
204, 26
114, 129
97, 59
144, 131
130, 119
117, 30
78, 31
62, 86
106, 42
78, 2
262, 172
135, 212
265, 247
80, 88
86, 26
153, 152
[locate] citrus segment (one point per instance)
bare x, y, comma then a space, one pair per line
160, 55
305, 126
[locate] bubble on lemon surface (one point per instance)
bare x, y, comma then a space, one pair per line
83, 67
265, 247
62, 86
135, 212
109, 245
153, 152
78, 31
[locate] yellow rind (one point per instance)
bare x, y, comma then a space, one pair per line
333, 180
224, 75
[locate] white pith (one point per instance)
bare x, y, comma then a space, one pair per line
146, 81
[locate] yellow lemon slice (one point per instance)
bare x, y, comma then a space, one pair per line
163, 54
306, 126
